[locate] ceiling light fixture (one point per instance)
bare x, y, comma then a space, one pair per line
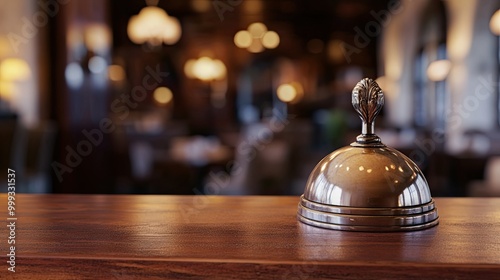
154, 26
256, 38
205, 69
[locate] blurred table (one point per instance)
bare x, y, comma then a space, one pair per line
199, 150
216, 237
201, 155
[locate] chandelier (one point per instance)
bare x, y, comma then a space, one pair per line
154, 26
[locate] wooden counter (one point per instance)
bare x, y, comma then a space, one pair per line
215, 237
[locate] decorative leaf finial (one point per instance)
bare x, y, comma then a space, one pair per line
367, 100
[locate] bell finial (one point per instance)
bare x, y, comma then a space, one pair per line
367, 100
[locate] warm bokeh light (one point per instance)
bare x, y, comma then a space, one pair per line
495, 23
205, 69
438, 70
98, 38
14, 69
243, 39
220, 69
155, 26
286, 92
6, 90
116, 73
163, 95
257, 29
202, 69
271, 40
171, 31
256, 46
256, 38
290, 92
188, 68
298, 89
134, 31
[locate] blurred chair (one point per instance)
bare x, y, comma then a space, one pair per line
30, 153
261, 165
491, 185
141, 158
39, 145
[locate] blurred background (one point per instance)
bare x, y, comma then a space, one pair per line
242, 96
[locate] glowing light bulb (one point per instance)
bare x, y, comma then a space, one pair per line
438, 70
271, 40
14, 69
243, 39
257, 29
116, 73
163, 95
286, 92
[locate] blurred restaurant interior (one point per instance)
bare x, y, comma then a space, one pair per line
242, 97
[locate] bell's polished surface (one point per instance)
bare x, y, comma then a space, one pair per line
367, 186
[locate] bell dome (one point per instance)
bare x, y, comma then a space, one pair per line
367, 186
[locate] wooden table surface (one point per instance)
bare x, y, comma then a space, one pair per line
255, 237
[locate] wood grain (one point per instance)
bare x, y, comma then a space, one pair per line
216, 237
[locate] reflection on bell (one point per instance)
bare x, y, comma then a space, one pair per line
367, 186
